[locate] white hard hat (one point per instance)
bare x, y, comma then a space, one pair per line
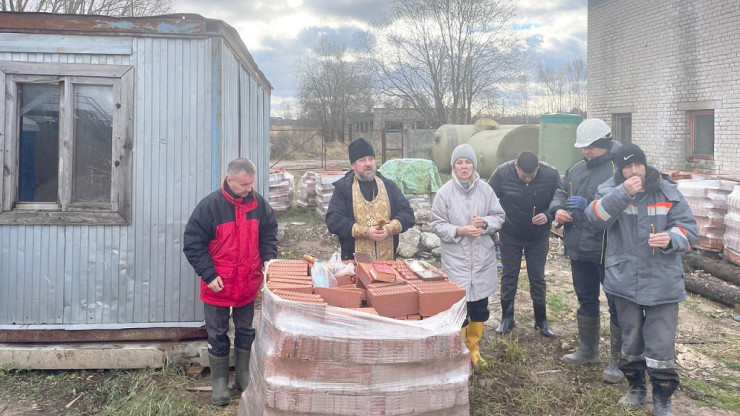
590, 130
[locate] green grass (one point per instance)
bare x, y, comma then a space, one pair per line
525, 378
711, 394
113, 393
556, 305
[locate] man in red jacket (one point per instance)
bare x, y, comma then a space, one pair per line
229, 236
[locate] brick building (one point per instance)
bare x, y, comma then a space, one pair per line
666, 75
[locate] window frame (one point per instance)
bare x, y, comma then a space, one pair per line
618, 131
64, 211
692, 134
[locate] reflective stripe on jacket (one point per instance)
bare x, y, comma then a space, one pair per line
634, 270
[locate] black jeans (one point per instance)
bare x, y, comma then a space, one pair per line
217, 325
535, 253
478, 311
588, 276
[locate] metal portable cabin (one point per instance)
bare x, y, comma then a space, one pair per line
137, 118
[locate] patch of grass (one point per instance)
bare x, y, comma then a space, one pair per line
712, 395
556, 304
731, 364
525, 378
308, 216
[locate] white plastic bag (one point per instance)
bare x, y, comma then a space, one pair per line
340, 268
321, 276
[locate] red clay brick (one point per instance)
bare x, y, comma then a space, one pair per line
342, 298
391, 301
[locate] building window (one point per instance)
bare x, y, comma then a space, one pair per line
622, 128
67, 141
702, 134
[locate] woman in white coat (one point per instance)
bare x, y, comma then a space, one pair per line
465, 214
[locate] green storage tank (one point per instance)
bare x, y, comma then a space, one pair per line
557, 136
446, 139
494, 147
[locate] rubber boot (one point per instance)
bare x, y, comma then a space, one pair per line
637, 392
475, 334
540, 320
588, 351
662, 393
220, 395
241, 368
612, 373
507, 317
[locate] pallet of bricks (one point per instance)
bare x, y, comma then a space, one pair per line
732, 224
281, 190
364, 347
325, 189
707, 198
307, 190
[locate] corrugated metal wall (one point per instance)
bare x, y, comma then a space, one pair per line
113, 276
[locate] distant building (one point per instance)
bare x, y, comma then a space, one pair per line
666, 75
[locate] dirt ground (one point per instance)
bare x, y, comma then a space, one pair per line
708, 352
708, 336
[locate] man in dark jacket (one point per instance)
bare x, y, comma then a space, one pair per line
584, 243
367, 211
525, 188
649, 228
229, 236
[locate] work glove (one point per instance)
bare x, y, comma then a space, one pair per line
576, 203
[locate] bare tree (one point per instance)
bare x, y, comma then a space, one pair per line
575, 73
331, 86
552, 83
118, 8
445, 57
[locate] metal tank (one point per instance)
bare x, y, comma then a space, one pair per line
557, 136
494, 147
446, 139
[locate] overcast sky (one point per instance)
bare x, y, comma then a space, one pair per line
277, 32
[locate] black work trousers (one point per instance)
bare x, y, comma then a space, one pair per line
535, 254
217, 325
477, 311
588, 276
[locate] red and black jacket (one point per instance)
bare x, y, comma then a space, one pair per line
230, 236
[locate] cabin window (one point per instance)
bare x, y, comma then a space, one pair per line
67, 143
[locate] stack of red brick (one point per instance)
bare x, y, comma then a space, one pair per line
312, 360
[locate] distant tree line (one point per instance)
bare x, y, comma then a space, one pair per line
453, 61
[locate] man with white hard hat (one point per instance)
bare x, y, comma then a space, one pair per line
585, 244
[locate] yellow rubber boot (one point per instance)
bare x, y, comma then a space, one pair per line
475, 333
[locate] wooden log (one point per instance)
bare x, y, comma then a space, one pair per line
728, 272
715, 289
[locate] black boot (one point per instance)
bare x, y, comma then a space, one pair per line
241, 368
220, 395
662, 393
637, 393
507, 317
540, 320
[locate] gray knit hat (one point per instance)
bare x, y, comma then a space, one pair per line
463, 150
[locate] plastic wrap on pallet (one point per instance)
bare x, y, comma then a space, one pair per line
307, 190
324, 360
708, 200
281, 190
732, 221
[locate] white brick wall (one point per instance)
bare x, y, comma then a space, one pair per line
652, 55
